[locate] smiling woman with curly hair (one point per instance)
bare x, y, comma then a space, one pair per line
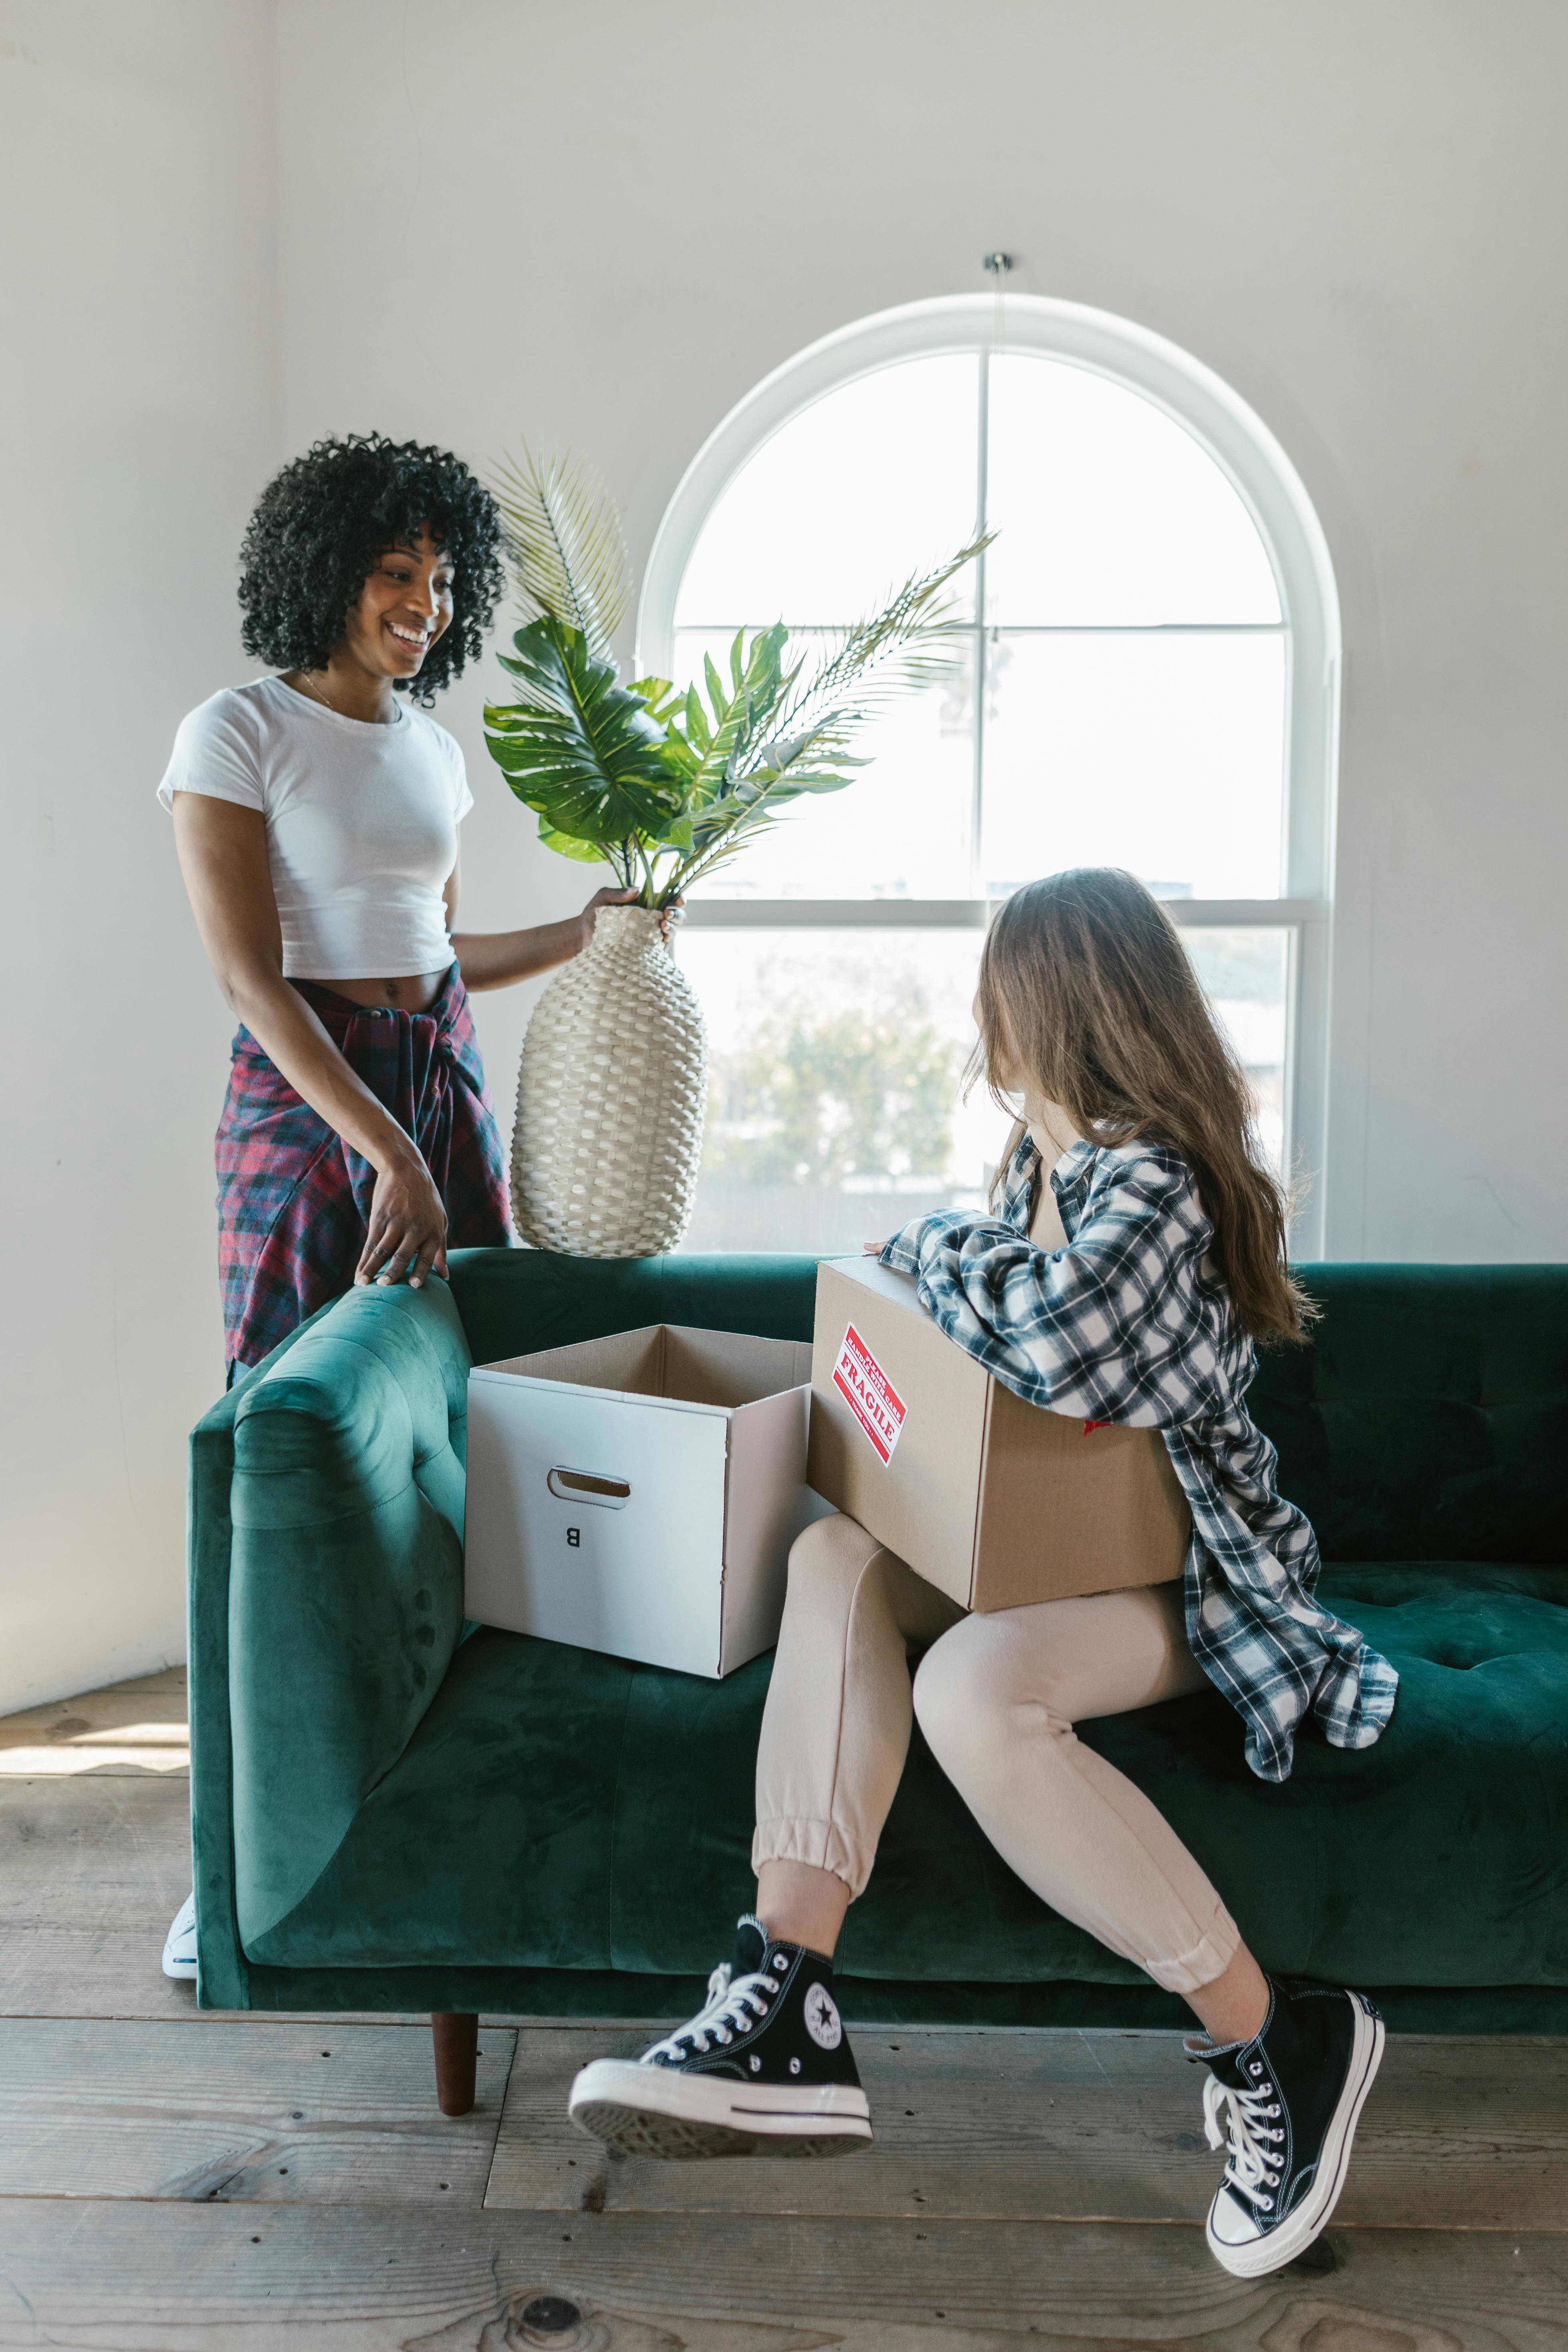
316, 816
323, 525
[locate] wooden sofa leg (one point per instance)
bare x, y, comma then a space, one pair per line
456, 2038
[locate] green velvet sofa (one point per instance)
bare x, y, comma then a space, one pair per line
391, 1813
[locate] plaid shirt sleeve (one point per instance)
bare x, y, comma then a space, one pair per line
1123, 1325
1104, 1327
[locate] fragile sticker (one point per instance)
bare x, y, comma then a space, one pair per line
869, 1393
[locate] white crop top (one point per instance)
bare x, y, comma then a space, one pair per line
361, 824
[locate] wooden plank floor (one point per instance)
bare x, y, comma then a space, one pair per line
1070, 2126
170, 2179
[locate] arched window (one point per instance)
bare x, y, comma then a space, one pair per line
1149, 679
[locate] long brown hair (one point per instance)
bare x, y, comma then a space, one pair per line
1084, 988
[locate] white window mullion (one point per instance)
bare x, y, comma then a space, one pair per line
982, 510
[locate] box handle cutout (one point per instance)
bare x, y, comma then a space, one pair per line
590, 1487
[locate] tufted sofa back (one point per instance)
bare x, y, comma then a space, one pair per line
1428, 1419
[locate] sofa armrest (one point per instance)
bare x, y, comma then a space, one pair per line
344, 1585
223, 1980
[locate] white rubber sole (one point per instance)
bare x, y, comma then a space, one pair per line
180, 1943
1259, 2256
656, 2111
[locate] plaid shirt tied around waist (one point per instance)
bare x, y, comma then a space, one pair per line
294, 1199
1125, 1325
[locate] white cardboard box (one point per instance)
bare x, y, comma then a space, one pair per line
639, 1494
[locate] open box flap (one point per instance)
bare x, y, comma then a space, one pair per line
626, 1363
676, 1364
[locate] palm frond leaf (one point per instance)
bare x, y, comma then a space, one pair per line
568, 553
803, 744
908, 645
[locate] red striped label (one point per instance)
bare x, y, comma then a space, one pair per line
869, 1393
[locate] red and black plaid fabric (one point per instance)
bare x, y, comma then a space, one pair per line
293, 1199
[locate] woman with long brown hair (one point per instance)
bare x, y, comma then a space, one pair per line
1133, 1287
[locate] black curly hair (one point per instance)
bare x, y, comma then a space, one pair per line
319, 526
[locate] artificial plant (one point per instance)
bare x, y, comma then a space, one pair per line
665, 786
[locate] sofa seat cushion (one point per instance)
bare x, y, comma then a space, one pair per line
557, 1809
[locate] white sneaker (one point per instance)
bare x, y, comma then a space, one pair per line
180, 1943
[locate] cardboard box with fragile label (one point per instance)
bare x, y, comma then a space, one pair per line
996, 1502
639, 1494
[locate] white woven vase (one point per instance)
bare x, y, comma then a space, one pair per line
610, 1098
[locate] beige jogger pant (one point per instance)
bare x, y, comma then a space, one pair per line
997, 1697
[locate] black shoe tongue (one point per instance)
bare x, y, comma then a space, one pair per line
1227, 2066
751, 1944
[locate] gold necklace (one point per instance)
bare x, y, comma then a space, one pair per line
326, 705
320, 697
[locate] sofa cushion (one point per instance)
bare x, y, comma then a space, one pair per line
558, 1809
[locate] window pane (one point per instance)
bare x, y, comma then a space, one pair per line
1162, 754
901, 829
835, 1058
1246, 977
872, 482
1106, 511
833, 1107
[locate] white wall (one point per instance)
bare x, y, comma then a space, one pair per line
603, 224
138, 418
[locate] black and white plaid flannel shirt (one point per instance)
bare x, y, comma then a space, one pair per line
1123, 1325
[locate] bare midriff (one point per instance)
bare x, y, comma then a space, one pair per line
413, 992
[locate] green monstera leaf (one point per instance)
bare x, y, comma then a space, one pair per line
577, 747
586, 853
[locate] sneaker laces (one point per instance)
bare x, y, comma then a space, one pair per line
1252, 2137
733, 2007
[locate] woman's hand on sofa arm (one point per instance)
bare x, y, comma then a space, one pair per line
407, 1235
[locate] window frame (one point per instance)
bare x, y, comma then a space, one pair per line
1247, 452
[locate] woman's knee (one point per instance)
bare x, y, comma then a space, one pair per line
827, 1562
833, 1550
960, 1692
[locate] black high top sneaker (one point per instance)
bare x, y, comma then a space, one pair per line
1290, 2099
763, 2070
